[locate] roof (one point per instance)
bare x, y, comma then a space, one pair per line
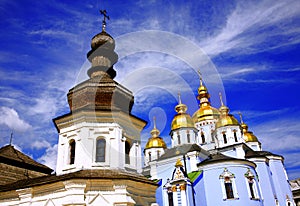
182, 150
82, 174
219, 157
252, 153
12, 156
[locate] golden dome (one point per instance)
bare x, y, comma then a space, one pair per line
155, 141
250, 137
181, 119
225, 119
205, 112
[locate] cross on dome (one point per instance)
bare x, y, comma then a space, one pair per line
105, 16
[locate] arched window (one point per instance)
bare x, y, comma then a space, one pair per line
188, 137
252, 190
127, 150
235, 136
149, 156
178, 136
72, 145
202, 138
100, 150
158, 153
228, 185
228, 188
224, 138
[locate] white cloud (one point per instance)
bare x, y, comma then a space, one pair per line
40, 144
10, 118
50, 156
253, 17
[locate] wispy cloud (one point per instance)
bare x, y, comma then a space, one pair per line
50, 156
246, 26
11, 118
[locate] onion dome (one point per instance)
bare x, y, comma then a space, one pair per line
206, 111
182, 119
225, 119
155, 141
102, 54
248, 136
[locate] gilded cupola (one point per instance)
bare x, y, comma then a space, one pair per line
182, 119
155, 141
248, 136
225, 119
206, 111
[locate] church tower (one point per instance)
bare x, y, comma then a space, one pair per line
205, 118
183, 129
99, 132
155, 146
228, 130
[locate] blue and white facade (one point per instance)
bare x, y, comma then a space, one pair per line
216, 161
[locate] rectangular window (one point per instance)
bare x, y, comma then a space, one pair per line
251, 189
229, 190
100, 150
170, 199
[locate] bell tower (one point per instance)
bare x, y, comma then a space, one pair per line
99, 132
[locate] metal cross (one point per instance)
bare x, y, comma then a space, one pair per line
200, 76
105, 16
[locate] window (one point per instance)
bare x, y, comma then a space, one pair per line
178, 136
158, 153
227, 181
72, 145
127, 150
228, 188
100, 150
202, 137
188, 137
235, 136
170, 198
224, 138
149, 156
252, 190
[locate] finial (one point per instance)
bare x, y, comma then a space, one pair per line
179, 98
200, 77
178, 163
104, 13
11, 138
222, 104
154, 122
241, 117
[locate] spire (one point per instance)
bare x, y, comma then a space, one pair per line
200, 77
179, 98
105, 16
221, 99
243, 125
241, 117
154, 132
180, 108
223, 109
203, 94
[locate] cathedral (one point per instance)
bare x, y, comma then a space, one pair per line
213, 159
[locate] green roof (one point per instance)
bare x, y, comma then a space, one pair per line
194, 175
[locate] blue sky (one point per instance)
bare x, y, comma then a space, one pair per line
248, 50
